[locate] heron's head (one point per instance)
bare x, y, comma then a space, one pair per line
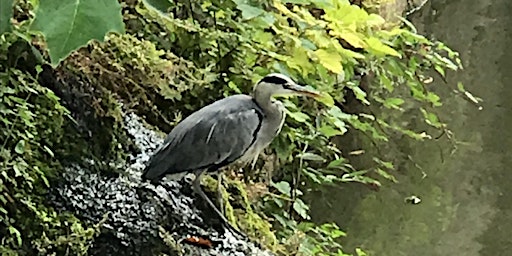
280, 85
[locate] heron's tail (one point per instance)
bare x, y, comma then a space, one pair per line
150, 173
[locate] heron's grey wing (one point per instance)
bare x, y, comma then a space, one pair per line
212, 137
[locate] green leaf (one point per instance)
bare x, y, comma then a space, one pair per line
386, 175
353, 38
159, 5
330, 60
460, 86
15, 232
311, 157
387, 83
283, 187
20, 147
48, 150
301, 208
282, 220
377, 46
431, 118
360, 94
298, 116
434, 99
68, 25
18, 169
440, 70
326, 99
337, 163
5, 15
360, 252
249, 12
393, 103
329, 131
312, 174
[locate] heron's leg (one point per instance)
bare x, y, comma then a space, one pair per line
219, 193
196, 185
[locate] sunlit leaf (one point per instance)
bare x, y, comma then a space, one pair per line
330, 60
326, 99
377, 46
353, 38
375, 20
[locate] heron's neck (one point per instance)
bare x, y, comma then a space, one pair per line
264, 100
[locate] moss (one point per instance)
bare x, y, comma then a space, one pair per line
243, 215
153, 83
31, 130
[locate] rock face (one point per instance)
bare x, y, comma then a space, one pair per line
132, 213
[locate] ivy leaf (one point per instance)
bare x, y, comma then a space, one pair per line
330, 60
68, 25
5, 15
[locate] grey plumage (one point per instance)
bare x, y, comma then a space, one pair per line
234, 129
213, 137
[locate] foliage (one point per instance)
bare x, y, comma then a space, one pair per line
372, 72
66, 25
135, 70
335, 46
31, 120
5, 16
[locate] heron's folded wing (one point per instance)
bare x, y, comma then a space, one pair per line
212, 137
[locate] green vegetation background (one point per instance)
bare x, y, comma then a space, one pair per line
164, 60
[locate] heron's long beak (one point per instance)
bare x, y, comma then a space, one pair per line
302, 90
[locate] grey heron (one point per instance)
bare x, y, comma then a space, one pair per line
232, 130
